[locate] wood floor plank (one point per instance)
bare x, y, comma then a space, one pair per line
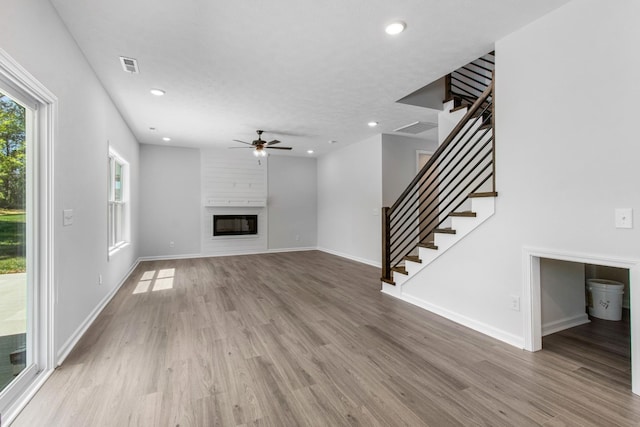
307, 339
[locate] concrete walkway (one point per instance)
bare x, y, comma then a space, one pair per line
13, 304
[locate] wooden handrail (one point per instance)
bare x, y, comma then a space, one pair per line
452, 136
460, 166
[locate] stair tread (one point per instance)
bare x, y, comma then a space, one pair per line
413, 258
445, 230
389, 281
486, 194
460, 107
428, 245
400, 270
466, 214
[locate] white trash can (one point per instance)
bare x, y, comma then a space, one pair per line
604, 299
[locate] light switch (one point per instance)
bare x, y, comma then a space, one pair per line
624, 218
67, 217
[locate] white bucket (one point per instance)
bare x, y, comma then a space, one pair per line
604, 299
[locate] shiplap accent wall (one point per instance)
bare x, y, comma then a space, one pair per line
233, 175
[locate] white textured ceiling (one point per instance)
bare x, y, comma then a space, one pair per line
309, 71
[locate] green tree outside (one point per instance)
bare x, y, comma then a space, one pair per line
12, 186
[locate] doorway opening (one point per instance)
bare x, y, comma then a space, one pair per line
585, 319
535, 261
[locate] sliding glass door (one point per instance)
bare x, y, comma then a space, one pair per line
17, 296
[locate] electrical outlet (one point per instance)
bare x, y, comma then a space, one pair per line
171, 244
515, 303
99, 279
297, 237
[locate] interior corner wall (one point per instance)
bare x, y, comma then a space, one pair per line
87, 123
566, 157
350, 201
169, 201
292, 203
399, 163
562, 295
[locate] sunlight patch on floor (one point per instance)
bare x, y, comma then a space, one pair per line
153, 281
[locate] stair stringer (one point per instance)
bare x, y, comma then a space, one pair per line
484, 207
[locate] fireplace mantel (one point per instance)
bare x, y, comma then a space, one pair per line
236, 203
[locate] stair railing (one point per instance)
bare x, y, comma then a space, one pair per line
463, 164
467, 83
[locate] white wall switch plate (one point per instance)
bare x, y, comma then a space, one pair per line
624, 218
67, 217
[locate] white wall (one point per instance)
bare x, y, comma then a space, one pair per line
292, 202
399, 163
169, 201
562, 295
350, 201
34, 36
567, 153
176, 183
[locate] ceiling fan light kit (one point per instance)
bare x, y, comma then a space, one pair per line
259, 145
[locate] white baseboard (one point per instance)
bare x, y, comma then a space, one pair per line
191, 256
293, 249
170, 257
66, 348
483, 328
351, 257
566, 323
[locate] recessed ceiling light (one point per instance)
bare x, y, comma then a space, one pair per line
166, 139
395, 28
332, 141
152, 129
157, 92
372, 124
309, 151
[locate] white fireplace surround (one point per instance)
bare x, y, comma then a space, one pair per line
224, 245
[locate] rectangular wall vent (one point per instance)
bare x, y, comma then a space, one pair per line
416, 127
129, 65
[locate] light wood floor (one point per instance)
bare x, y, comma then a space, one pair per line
307, 339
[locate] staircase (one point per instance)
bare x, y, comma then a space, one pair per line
454, 192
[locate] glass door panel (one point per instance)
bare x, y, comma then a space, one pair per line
15, 295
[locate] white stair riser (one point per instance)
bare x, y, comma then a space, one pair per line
399, 278
412, 267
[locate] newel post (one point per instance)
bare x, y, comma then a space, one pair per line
386, 243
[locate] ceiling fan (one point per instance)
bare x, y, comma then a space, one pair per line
259, 145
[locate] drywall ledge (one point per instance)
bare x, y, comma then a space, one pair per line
236, 203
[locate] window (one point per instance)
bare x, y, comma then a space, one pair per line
118, 217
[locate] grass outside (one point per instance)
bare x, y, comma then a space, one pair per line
12, 241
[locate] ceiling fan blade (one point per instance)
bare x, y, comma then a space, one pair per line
274, 142
279, 148
242, 142
239, 147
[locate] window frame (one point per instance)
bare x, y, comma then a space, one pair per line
118, 236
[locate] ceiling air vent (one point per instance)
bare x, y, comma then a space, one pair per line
129, 65
416, 127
